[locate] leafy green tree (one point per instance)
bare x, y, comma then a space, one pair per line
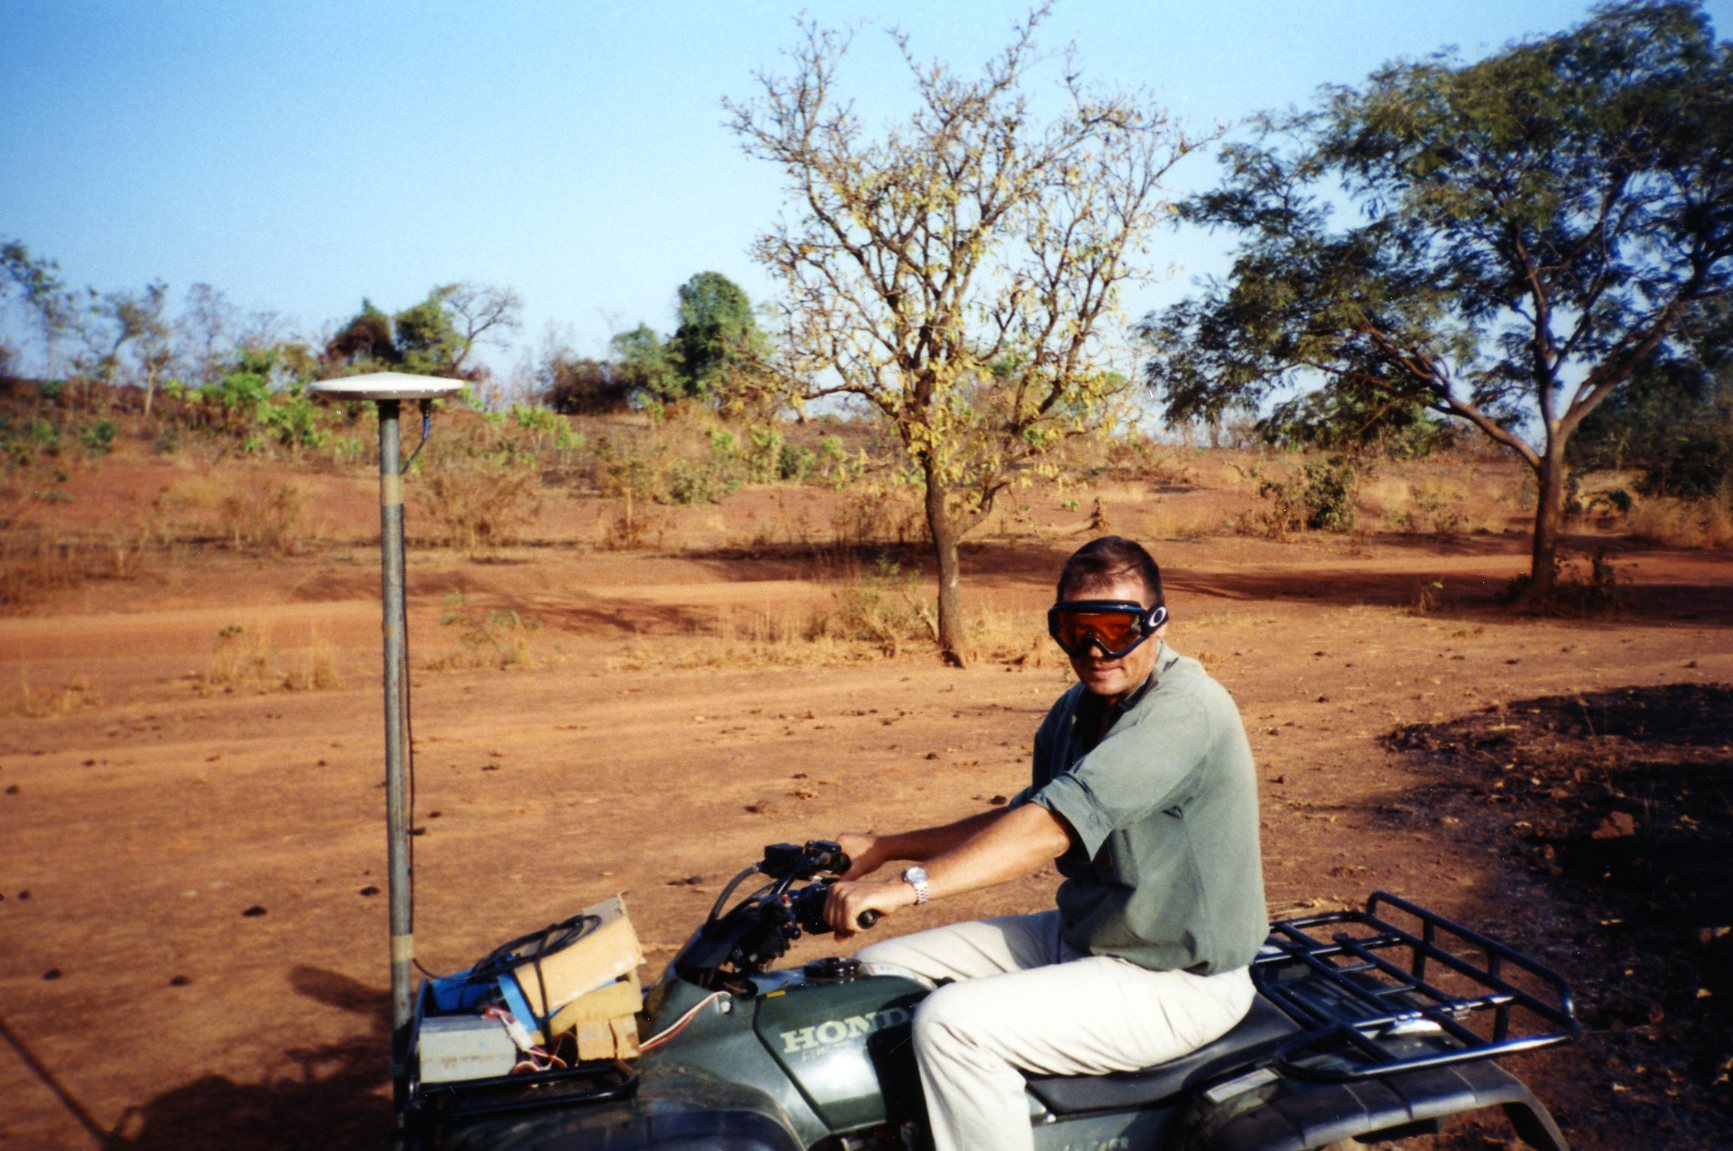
1531, 228
581, 385
367, 343
1675, 421
648, 365
717, 340
434, 337
957, 273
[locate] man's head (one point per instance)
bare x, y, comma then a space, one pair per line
1116, 587
1105, 559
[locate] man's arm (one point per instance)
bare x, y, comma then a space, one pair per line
868, 851
998, 846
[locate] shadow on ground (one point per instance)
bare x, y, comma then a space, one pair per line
335, 1097
1614, 812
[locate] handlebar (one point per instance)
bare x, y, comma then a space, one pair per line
746, 936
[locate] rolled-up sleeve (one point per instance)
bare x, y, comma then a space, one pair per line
1138, 768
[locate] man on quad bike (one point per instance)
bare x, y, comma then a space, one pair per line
1144, 793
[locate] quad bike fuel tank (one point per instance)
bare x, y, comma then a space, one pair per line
832, 1030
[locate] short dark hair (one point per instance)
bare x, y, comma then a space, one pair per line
1108, 558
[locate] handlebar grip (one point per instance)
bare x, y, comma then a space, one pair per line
867, 918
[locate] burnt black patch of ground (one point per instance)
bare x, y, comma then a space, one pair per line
1614, 812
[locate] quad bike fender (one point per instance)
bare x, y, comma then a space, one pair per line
1289, 1115
680, 1112
681, 1131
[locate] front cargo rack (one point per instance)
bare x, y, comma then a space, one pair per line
1397, 988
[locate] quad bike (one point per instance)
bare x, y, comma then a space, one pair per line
1369, 1027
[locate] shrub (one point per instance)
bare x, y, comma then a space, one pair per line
1577, 590
796, 464
883, 607
98, 438
497, 638
1431, 510
705, 481
479, 504
1320, 497
267, 515
1681, 523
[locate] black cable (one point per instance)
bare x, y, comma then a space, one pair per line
535, 944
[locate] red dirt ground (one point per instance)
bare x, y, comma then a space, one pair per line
193, 952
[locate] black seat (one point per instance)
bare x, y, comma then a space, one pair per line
1263, 1029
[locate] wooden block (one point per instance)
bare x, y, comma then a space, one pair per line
595, 1040
602, 1039
626, 1036
622, 997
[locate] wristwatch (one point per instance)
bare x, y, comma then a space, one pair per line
916, 877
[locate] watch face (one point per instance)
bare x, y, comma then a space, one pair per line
916, 875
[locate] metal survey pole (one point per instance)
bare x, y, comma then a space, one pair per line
388, 390
401, 883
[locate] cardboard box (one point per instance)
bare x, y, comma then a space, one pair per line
602, 955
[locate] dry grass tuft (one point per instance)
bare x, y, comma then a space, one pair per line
1163, 520
267, 516
633, 526
70, 698
32, 566
316, 667
877, 517
243, 514
497, 638
767, 639
241, 657
1426, 598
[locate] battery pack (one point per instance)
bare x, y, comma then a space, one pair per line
459, 1047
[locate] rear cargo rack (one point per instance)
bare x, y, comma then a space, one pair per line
1398, 987
585, 1083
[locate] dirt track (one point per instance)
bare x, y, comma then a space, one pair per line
192, 941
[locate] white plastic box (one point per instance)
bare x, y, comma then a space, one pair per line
459, 1047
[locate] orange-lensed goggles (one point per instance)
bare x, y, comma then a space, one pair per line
1115, 627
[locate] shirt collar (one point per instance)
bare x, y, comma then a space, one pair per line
1089, 707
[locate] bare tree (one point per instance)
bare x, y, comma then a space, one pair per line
124, 325
960, 271
480, 313
37, 280
207, 327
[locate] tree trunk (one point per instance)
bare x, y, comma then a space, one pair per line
945, 538
1548, 522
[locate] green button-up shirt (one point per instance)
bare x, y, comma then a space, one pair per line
1164, 869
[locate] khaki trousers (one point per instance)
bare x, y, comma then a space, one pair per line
1023, 1001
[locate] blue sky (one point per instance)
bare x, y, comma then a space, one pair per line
302, 154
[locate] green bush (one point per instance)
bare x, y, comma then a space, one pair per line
1320, 497
796, 464
98, 438
698, 482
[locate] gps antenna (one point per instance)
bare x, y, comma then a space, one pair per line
389, 390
